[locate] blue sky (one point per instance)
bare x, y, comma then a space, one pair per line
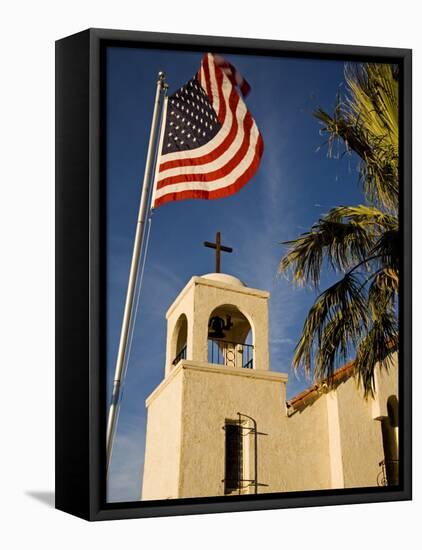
295, 184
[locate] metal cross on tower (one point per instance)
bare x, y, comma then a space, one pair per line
218, 249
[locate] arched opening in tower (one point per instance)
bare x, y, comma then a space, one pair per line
180, 338
230, 338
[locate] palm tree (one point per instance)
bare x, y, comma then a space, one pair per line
358, 314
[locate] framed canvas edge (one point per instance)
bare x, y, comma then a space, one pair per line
97, 508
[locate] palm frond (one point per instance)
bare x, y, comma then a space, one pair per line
374, 99
388, 249
344, 237
338, 316
335, 346
358, 314
376, 348
367, 123
383, 292
369, 216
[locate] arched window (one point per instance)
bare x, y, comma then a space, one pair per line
230, 339
390, 439
179, 340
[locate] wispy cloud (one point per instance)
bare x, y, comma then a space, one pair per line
261, 249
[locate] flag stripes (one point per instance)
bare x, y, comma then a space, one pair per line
228, 159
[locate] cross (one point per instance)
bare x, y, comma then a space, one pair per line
218, 249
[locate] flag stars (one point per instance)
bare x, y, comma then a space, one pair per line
190, 119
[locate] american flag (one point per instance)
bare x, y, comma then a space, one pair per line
210, 145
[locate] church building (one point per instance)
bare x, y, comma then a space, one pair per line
219, 422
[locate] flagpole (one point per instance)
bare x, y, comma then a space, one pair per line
133, 274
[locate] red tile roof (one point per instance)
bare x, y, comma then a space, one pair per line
308, 396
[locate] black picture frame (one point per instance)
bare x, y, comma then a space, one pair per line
80, 273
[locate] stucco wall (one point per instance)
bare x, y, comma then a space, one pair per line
337, 440
361, 437
387, 384
213, 395
362, 445
305, 454
163, 438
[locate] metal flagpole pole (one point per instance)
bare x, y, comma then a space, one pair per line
121, 356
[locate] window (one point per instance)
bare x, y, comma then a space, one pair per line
234, 457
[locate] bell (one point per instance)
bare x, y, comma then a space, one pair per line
217, 326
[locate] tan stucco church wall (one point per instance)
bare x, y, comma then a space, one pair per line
361, 437
387, 385
336, 441
163, 437
207, 405
306, 459
333, 442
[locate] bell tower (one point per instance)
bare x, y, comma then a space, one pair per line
217, 302
214, 421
